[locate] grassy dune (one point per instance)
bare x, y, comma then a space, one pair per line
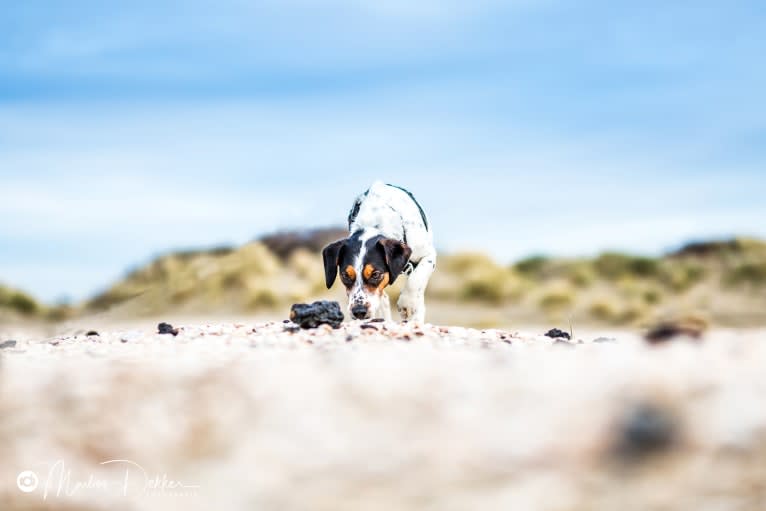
720, 282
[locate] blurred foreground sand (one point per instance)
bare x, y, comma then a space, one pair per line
384, 417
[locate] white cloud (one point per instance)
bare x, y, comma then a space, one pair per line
168, 175
154, 208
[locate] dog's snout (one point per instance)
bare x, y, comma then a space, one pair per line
359, 311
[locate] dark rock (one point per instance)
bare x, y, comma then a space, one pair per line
368, 325
91, 332
167, 328
315, 314
7, 344
377, 320
292, 329
646, 429
668, 330
555, 333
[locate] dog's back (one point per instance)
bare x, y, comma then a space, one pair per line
394, 212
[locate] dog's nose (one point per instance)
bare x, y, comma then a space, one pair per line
359, 311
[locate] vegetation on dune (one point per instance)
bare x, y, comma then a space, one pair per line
724, 281
748, 272
250, 275
18, 302
275, 271
709, 278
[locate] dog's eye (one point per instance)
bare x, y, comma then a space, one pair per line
376, 275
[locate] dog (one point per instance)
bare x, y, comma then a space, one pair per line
389, 235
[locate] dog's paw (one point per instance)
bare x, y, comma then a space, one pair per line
410, 309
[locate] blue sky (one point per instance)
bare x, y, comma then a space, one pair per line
522, 126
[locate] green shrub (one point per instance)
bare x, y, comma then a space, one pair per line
482, 290
557, 299
466, 263
493, 287
643, 266
582, 275
652, 296
602, 310
681, 277
264, 299
751, 272
232, 280
22, 304
631, 314
612, 265
531, 266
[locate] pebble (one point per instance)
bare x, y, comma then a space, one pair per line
646, 429
690, 327
292, 336
556, 333
167, 328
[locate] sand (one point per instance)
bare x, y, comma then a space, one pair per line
254, 416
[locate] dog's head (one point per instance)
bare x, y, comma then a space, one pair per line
366, 266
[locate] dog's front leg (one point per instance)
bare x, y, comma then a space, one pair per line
412, 301
384, 308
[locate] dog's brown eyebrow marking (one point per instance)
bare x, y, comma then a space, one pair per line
368, 269
350, 272
380, 287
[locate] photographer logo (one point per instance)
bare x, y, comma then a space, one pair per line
27, 481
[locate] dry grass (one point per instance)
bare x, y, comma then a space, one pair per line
723, 281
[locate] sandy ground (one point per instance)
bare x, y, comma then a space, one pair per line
254, 416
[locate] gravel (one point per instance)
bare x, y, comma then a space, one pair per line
399, 416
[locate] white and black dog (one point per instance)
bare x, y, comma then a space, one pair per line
389, 234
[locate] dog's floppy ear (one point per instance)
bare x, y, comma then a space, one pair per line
397, 255
331, 257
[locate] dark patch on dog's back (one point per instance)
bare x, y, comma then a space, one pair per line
355, 208
422, 213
